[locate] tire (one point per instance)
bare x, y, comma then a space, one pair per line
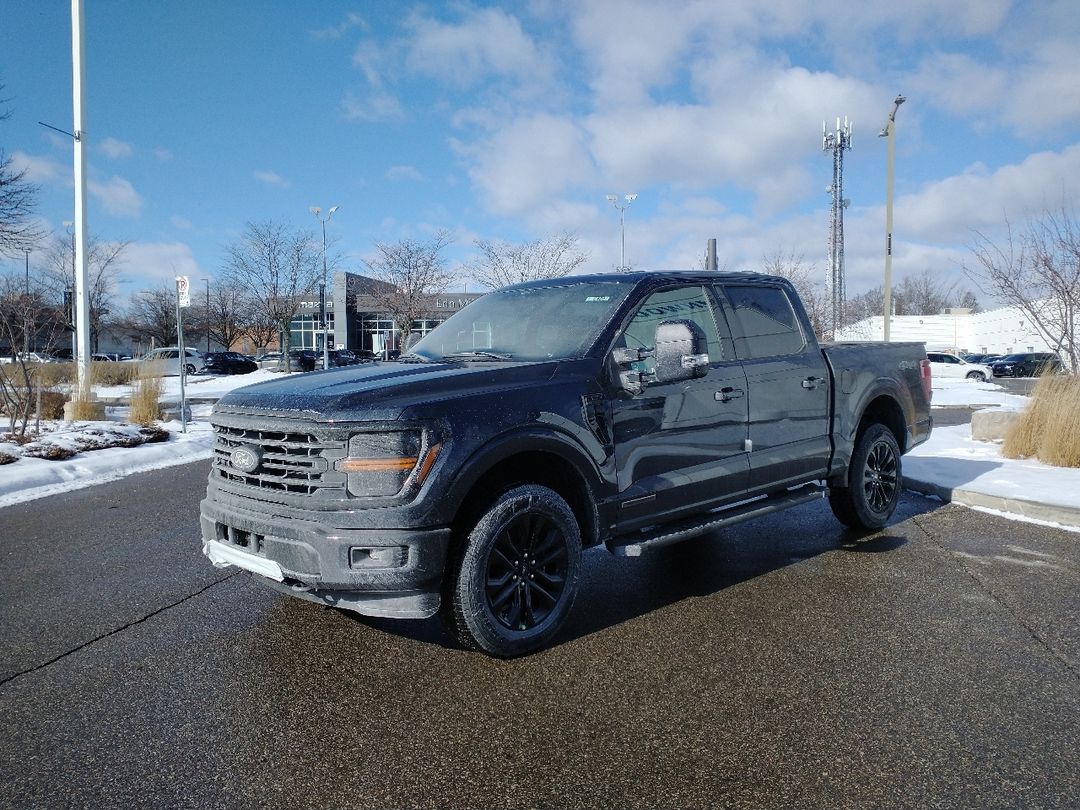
483, 609
978, 376
189, 368
874, 481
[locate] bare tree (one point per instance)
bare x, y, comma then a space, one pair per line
501, 263
276, 267
256, 325
152, 315
804, 277
18, 199
1036, 270
228, 307
411, 271
29, 320
103, 275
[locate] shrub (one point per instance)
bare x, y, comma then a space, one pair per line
153, 433
52, 405
146, 400
105, 373
1049, 428
7, 458
50, 452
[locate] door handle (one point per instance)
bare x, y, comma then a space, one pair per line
812, 382
728, 394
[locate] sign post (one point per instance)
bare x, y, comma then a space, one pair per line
183, 300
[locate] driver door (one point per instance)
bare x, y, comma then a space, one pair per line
680, 446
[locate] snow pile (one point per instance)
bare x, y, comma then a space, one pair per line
960, 393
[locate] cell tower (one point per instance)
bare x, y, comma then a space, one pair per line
836, 142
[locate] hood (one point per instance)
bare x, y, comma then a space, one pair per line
378, 390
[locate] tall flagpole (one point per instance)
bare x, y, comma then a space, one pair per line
82, 291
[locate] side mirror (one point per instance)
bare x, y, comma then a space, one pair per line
681, 351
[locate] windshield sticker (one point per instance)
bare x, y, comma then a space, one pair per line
598, 298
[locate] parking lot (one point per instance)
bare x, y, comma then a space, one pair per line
782, 663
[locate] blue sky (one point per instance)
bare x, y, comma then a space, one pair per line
514, 120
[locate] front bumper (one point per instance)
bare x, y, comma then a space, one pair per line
376, 572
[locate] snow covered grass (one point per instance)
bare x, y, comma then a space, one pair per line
961, 393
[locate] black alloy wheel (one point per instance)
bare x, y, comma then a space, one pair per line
510, 583
526, 573
874, 483
880, 476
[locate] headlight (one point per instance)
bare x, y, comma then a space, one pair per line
382, 463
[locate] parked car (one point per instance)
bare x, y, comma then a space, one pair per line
305, 359
109, 357
626, 410
37, 357
343, 357
169, 357
268, 360
1028, 364
228, 363
946, 365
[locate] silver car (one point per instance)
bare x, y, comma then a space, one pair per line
169, 358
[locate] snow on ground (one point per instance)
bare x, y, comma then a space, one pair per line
950, 458
958, 393
30, 478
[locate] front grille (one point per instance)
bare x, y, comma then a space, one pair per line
293, 461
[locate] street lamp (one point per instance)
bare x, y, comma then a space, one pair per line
316, 210
890, 133
208, 315
26, 311
614, 200
69, 226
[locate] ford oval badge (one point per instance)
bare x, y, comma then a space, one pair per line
246, 459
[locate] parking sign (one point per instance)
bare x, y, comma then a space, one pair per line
183, 291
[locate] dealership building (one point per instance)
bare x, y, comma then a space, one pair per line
357, 322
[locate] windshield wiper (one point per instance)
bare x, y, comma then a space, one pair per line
478, 354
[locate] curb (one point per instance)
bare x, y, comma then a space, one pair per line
1062, 515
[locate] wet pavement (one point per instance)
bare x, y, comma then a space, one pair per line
781, 663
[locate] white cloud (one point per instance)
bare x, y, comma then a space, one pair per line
115, 149
350, 21
270, 178
117, 195
528, 162
486, 42
376, 106
404, 173
147, 264
40, 168
163, 154
181, 222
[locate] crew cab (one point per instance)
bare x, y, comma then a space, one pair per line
628, 410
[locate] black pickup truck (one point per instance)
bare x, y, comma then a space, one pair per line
630, 410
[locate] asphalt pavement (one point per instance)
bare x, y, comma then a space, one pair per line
781, 663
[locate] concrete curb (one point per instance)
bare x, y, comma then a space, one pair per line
1062, 515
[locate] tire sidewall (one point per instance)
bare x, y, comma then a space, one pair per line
868, 516
490, 635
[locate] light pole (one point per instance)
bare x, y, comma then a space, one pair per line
26, 312
69, 227
889, 133
208, 316
614, 200
316, 210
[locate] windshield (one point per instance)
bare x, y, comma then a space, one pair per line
559, 321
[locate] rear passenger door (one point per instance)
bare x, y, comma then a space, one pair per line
787, 385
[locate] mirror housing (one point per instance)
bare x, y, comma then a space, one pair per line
681, 351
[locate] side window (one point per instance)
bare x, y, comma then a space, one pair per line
934, 357
172, 355
766, 319
681, 303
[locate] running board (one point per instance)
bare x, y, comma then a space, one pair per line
676, 533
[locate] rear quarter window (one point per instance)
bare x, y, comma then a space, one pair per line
766, 319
